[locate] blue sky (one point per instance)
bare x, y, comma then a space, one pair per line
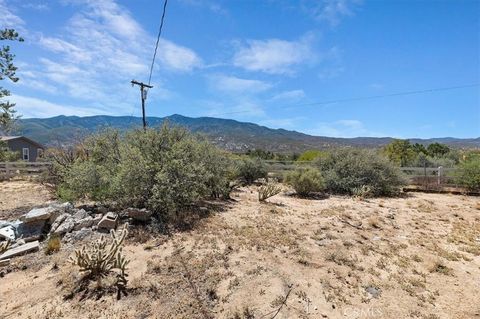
256, 61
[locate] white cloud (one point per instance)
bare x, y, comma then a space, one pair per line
102, 47
332, 11
177, 57
8, 19
342, 128
232, 84
61, 46
33, 107
293, 95
274, 56
36, 6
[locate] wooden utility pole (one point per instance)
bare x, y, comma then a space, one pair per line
143, 93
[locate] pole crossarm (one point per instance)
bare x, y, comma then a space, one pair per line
141, 84
144, 97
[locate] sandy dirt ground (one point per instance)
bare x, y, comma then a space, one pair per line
412, 257
19, 196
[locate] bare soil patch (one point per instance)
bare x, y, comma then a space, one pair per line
19, 196
338, 257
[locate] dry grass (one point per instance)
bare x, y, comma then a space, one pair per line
241, 262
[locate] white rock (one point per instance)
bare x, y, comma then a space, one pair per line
59, 209
7, 232
80, 214
65, 227
37, 214
78, 235
58, 221
83, 223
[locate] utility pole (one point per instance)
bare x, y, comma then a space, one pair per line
143, 93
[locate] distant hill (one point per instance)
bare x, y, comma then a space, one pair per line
228, 134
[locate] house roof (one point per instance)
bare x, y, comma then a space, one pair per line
10, 138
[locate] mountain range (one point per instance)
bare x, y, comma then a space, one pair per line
228, 134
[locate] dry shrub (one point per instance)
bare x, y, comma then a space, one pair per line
441, 268
53, 245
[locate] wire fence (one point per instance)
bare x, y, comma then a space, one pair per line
22, 169
428, 178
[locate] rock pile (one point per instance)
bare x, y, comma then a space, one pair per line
64, 220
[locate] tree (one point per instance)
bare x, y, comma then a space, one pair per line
419, 148
400, 152
7, 71
437, 149
468, 174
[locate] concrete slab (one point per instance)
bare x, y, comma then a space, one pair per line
20, 250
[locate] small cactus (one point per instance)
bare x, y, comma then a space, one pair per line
268, 190
99, 258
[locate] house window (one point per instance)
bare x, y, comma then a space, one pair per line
26, 154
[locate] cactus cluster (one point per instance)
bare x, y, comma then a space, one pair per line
362, 192
100, 257
4, 245
268, 190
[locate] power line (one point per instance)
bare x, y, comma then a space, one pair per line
353, 99
144, 87
158, 40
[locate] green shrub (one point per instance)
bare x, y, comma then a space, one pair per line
310, 155
348, 170
6, 155
165, 170
249, 170
305, 181
468, 174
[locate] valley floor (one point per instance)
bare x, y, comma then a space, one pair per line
412, 257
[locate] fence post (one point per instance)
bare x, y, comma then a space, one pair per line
7, 171
425, 181
439, 173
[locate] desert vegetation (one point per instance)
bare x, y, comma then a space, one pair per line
305, 181
166, 170
202, 233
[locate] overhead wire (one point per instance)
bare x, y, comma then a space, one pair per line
353, 99
158, 40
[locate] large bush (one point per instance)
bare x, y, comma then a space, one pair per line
165, 170
249, 170
305, 181
468, 174
6, 155
347, 170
